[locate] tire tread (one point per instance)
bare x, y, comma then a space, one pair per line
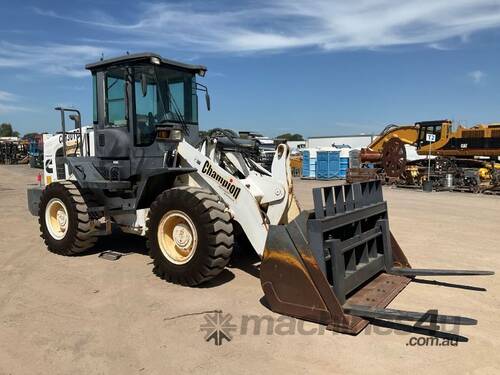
216, 223
83, 238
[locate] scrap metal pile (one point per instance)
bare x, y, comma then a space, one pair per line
13, 151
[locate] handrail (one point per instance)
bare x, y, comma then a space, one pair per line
77, 124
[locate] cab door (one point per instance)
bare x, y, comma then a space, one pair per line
112, 140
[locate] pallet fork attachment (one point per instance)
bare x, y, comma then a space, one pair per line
339, 264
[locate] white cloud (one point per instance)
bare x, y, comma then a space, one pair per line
258, 26
6, 108
439, 47
8, 103
59, 59
477, 76
285, 24
7, 96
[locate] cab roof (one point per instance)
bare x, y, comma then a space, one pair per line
145, 57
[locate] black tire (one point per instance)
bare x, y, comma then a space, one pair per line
214, 232
78, 236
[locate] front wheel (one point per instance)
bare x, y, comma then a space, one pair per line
64, 221
190, 236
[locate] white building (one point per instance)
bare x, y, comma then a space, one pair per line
356, 141
295, 146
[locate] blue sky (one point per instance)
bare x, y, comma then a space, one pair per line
316, 67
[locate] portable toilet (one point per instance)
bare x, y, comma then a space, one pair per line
328, 163
309, 162
344, 162
354, 161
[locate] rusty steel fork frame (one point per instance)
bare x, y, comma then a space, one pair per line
339, 264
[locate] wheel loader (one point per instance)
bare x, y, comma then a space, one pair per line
142, 167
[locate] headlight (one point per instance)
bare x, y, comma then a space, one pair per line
163, 134
169, 134
176, 135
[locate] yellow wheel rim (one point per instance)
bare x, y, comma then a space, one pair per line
56, 218
177, 237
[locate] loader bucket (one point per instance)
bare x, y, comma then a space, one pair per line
339, 263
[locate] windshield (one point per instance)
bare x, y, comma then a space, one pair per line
425, 130
170, 98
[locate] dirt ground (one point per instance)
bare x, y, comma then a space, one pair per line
86, 315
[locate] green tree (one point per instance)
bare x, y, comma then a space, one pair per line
291, 137
6, 130
31, 135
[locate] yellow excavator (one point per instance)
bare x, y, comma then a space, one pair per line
465, 158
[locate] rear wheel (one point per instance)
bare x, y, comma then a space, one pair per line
64, 221
190, 236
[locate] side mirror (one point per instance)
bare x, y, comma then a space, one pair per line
144, 85
207, 100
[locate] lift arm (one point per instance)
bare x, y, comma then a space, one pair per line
246, 197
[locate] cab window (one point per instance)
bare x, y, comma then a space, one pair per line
115, 99
94, 98
147, 107
432, 129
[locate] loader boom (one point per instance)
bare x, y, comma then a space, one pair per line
244, 196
